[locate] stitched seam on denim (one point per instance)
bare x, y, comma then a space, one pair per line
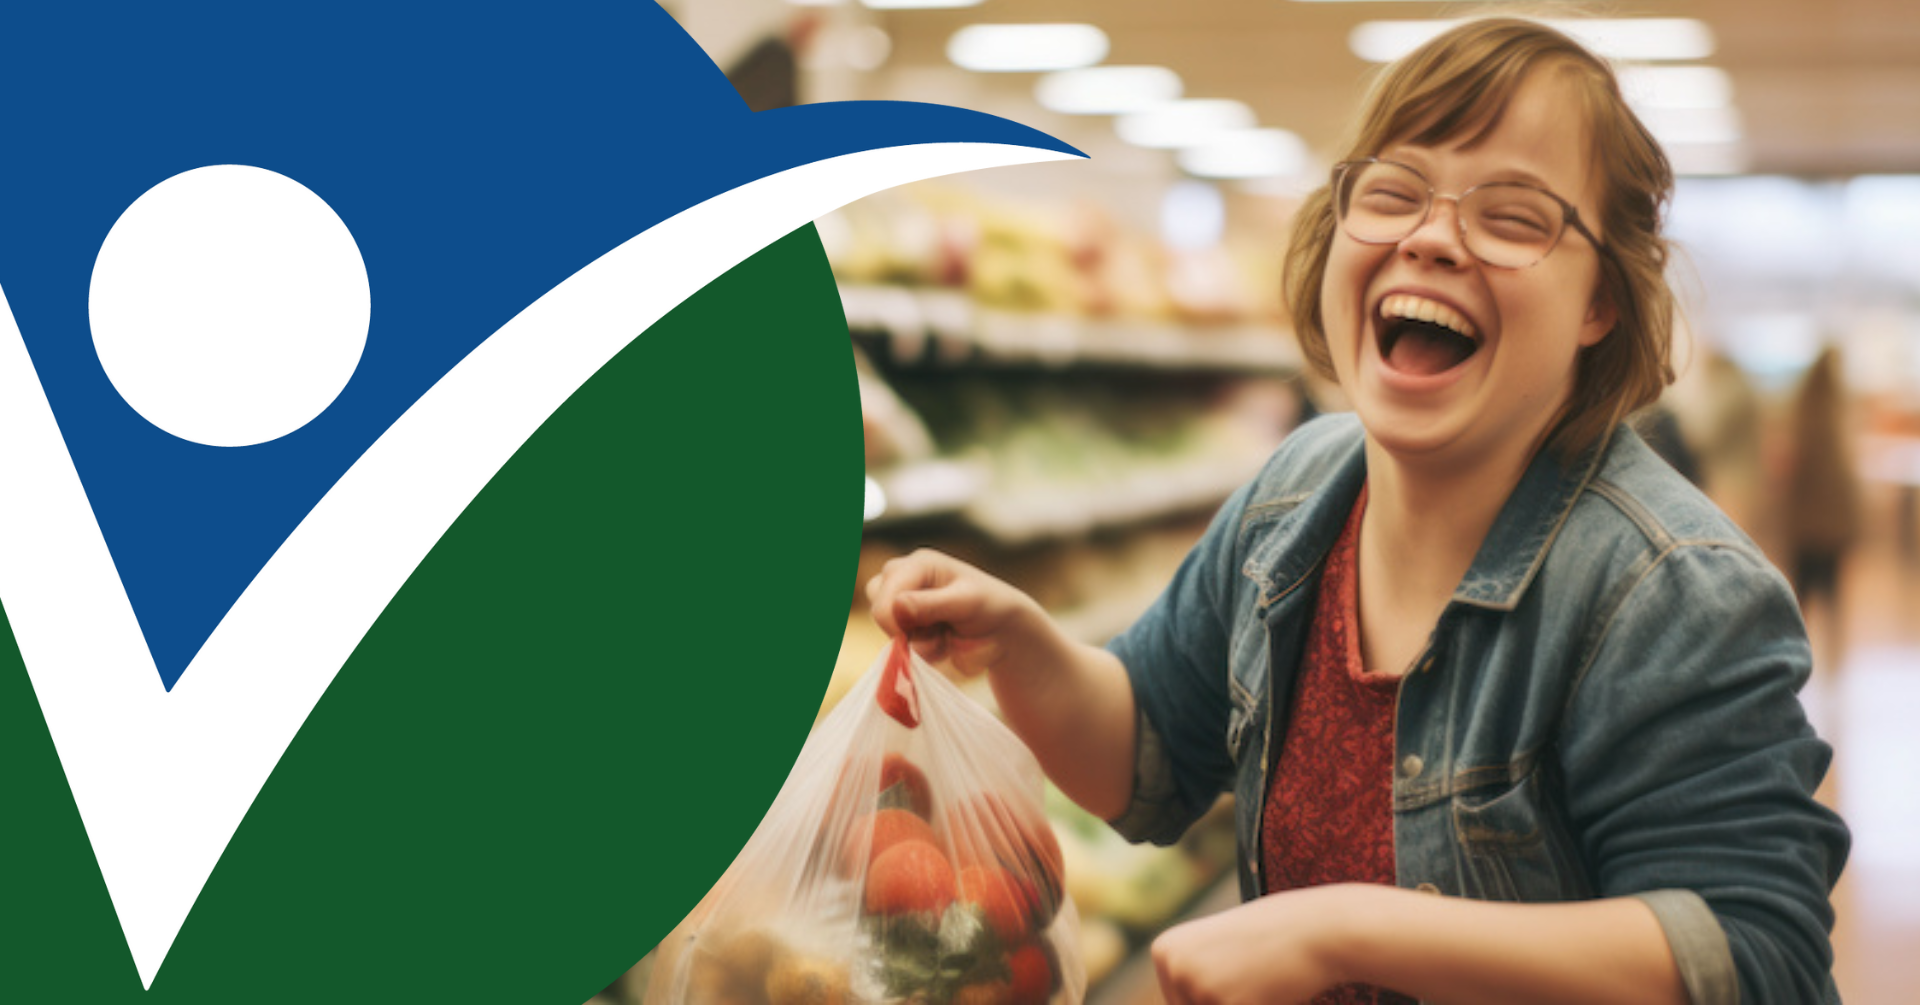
1154, 797
1636, 512
1233, 623
1245, 705
1286, 502
1603, 627
1657, 533
1625, 594
1252, 701
1470, 836
1242, 698
1267, 602
1261, 514
1415, 795
1622, 592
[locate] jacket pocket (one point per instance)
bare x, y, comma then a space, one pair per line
1513, 845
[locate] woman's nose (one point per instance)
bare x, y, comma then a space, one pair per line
1438, 238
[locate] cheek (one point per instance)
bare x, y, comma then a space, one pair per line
1550, 308
1343, 296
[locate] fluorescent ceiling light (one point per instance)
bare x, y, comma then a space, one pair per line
1249, 153
1386, 41
1676, 86
1702, 159
1643, 38
1193, 216
918, 4
1025, 48
1107, 90
1673, 126
1192, 122
1650, 38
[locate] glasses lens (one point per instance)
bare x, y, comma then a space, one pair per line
1381, 203
1511, 226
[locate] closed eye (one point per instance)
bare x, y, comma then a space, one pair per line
1388, 201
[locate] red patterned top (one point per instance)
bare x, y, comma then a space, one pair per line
1329, 811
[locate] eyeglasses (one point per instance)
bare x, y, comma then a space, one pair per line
1506, 224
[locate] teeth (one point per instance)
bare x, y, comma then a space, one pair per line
1422, 309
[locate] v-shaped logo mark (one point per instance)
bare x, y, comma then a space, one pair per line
162, 779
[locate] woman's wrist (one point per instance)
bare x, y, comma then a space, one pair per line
1033, 647
1354, 917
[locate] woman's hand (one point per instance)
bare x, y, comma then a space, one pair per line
1069, 701
1288, 947
1271, 950
953, 611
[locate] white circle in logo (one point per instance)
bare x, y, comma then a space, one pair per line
229, 305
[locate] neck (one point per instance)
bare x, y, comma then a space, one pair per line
1426, 521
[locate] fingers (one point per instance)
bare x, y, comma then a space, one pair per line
896, 593
930, 643
947, 609
958, 606
1173, 983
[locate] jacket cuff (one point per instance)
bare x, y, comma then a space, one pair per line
1699, 945
1153, 810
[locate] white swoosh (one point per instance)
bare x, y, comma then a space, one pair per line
162, 779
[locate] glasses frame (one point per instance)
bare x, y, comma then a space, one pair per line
1570, 214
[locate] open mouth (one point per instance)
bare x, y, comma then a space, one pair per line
1424, 337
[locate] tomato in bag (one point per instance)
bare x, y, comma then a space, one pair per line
906, 859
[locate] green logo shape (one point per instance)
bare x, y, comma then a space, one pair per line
559, 732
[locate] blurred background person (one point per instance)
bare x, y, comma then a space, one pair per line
1822, 497
1722, 418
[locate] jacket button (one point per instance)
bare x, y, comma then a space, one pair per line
1427, 888
1411, 766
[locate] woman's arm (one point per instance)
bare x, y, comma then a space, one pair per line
1688, 764
1288, 947
1070, 702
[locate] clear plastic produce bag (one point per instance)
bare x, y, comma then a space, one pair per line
906, 859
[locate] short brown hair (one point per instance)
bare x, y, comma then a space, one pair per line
1461, 81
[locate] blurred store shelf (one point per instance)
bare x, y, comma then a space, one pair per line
937, 326
1151, 490
925, 489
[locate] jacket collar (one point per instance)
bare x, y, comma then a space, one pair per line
1512, 554
1532, 518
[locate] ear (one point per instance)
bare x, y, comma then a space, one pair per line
1601, 317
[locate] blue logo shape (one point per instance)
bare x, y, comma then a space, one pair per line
479, 154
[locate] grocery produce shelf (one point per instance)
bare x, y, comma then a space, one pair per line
932, 326
1134, 982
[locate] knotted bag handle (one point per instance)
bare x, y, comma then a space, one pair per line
897, 695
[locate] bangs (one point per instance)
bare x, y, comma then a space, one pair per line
1434, 117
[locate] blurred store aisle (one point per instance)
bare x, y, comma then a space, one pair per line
1866, 702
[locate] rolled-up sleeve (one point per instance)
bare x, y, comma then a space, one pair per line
1691, 769
1176, 660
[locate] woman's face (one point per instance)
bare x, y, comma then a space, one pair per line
1419, 398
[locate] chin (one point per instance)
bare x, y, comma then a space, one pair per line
1408, 437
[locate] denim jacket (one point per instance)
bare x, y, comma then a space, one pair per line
1606, 707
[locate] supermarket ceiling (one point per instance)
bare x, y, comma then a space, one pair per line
1821, 88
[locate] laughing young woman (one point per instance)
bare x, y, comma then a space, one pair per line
1508, 709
